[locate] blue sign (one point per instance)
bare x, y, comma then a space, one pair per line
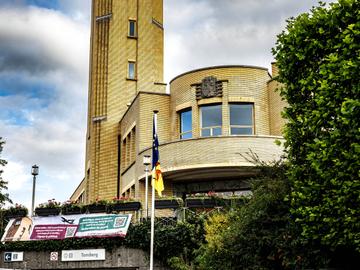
7, 257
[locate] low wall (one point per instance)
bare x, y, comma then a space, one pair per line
117, 258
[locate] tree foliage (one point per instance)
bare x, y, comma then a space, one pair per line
318, 57
4, 197
258, 234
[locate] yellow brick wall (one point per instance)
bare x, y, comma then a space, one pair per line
78, 191
276, 106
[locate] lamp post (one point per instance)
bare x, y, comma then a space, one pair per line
34, 172
146, 162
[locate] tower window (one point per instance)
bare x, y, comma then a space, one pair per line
186, 124
132, 28
241, 119
131, 70
211, 120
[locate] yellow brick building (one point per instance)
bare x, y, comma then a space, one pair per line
207, 123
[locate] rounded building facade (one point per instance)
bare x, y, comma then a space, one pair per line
209, 126
219, 115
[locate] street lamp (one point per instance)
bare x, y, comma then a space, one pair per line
34, 172
146, 162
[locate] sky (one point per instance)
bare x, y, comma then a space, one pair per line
44, 49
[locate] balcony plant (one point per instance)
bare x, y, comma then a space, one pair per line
16, 211
98, 206
168, 203
123, 204
234, 201
200, 200
72, 208
49, 208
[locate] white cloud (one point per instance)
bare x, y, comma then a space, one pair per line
44, 74
41, 41
16, 174
200, 33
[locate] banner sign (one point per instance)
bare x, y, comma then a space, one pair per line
103, 226
87, 225
61, 227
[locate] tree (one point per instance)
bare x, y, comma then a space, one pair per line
4, 197
318, 57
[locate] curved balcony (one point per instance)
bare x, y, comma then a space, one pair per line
213, 157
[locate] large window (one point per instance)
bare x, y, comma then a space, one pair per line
241, 119
211, 120
185, 124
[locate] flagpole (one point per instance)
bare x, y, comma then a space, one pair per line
153, 207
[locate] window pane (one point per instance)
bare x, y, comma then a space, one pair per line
241, 131
186, 135
186, 121
241, 114
216, 131
132, 28
131, 74
211, 116
205, 132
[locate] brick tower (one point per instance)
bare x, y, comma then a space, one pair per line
126, 56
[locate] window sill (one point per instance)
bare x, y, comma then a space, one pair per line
129, 79
132, 37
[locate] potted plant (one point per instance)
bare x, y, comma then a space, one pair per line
168, 203
234, 201
202, 200
50, 208
72, 208
123, 204
99, 206
16, 211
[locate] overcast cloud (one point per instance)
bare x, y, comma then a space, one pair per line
43, 91
44, 48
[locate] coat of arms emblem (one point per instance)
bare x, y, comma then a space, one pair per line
209, 87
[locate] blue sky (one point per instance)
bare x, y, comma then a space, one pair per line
44, 48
